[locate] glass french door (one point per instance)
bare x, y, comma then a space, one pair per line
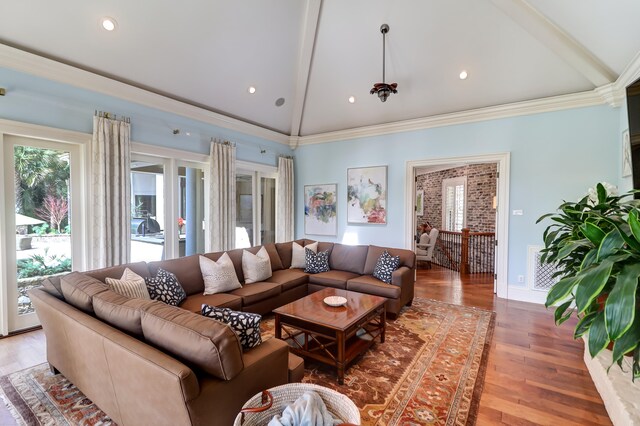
255, 208
44, 226
191, 206
148, 214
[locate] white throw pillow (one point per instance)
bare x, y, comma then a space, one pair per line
220, 276
256, 267
130, 285
297, 254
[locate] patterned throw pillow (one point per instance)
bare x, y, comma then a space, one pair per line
298, 259
316, 262
166, 288
256, 267
130, 285
246, 325
385, 266
219, 276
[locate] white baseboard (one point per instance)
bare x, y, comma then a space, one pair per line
524, 294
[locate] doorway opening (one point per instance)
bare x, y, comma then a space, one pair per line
457, 217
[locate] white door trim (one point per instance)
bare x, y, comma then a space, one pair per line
502, 211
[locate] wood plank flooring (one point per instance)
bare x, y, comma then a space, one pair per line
535, 375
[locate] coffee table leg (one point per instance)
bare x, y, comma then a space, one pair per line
383, 321
278, 329
341, 355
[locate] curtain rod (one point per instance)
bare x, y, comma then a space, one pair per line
222, 142
110, 116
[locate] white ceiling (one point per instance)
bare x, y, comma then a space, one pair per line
208, 52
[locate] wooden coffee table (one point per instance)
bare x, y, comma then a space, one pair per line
332, 335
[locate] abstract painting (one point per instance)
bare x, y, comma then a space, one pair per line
367, 195
320, 209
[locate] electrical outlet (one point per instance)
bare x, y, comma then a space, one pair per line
520, 278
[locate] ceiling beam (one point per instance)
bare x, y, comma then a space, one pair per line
549, 34
305, 56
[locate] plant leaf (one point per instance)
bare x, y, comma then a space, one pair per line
628, 341
598, 338
611, 243
561, 289
543, 217
620, 307
632, 242
593, 232
583, 324
634, 224
569, 247
592, 282
560, 310
602, 193
589, 259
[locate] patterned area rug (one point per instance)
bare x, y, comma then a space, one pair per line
430, 370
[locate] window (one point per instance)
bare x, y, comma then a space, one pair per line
255, 205
454, 192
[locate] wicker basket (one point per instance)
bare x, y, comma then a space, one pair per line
261, 408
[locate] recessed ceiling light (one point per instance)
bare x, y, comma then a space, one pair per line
463, 75
251, 90
109, 24
352, 99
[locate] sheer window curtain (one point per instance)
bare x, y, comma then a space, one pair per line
222, 196
284, 201
110, 192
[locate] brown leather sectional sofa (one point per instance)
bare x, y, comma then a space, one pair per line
145, 362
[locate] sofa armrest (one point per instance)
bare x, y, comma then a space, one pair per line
403, 277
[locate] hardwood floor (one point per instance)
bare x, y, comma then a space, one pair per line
535, 374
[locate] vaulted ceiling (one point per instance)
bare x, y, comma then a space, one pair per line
315, 54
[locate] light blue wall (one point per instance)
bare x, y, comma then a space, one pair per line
40, 101
554, 156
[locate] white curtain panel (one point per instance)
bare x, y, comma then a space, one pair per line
222, 196
284, 201
110, 220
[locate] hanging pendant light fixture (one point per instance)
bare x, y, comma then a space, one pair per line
383, 90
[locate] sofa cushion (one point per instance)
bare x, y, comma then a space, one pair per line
166, 288
407, 258
78, 290
186, 269
53, 286
284, 251
256, 267
130, 285
370, 285
139, 268
120, 311
298, 254
256, 292
246, 325
348, 258
316, 262
194, 302
204, 343
385, 266
236, 259
335, 279
289, 278
274, 257
219, 276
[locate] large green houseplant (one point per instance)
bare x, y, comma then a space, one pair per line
595, 245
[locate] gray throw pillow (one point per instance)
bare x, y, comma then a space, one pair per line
166, 288
246, 325
316, 262
385, 266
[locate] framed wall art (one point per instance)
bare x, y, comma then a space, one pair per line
320, 209
419, 203
367, 195
626, 154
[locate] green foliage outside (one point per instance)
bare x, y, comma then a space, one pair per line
41, 265
40, 173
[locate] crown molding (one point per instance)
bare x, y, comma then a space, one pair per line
556, 103
630, 74
30, 63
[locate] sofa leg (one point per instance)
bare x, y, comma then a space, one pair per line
53, 369
410, 302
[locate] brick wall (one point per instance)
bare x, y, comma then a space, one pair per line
481, 187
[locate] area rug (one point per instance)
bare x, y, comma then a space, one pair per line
430, 370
